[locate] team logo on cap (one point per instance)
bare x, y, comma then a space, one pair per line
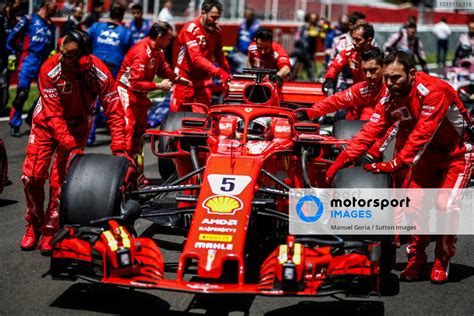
222, 204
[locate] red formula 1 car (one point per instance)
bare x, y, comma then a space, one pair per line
235, 168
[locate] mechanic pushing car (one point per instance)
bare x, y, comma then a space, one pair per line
360, 99
200, 43
135, 80
432, 130
266, 53
69, 85
362, 40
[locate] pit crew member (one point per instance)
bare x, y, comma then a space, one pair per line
200, 43
362, 37
266, 53
135, 79
360, 99
69, 84
432, 130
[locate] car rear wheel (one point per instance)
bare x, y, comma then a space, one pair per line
94, 188
170, 124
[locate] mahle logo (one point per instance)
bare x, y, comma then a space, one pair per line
309, 202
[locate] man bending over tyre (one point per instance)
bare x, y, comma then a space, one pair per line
433, 127
69, 84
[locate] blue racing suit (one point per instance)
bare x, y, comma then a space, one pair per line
38, 41
110, 42
246, 35
139, 33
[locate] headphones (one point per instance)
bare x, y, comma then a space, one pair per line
85, 48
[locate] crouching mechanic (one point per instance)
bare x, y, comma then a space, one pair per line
432, 129
69, 85
135, 79
360, 99
200, 44
265, 53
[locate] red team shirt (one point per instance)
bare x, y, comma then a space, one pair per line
66, 99
276, 59
359, 100
348, 57
429, 120
140, 66
198, 49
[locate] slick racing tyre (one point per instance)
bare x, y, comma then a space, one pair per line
94, 188
346, 129
170, 124
358, 178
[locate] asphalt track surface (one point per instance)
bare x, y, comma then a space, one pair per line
23, 290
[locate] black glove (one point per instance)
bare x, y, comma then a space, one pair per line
301, 115
328, 87
367, 159
276, 79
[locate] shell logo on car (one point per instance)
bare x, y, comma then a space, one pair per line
222, 204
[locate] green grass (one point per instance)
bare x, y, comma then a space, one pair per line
32, 96
431, 57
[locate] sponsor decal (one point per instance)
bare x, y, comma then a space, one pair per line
353, 64
384, 100
364, 90
191, 27
215, 237
257, 148
212, 245
222, 204
213, 229
211, 255
427, 110
401, 114
100, 74
191, 43
55, 71
38, 108
202, 40
348, 95
204, 287
423, 90
50, 93
219, 221
375, 118
228, 183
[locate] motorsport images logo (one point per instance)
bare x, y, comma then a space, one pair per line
302, 209
345, 207
346, 211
